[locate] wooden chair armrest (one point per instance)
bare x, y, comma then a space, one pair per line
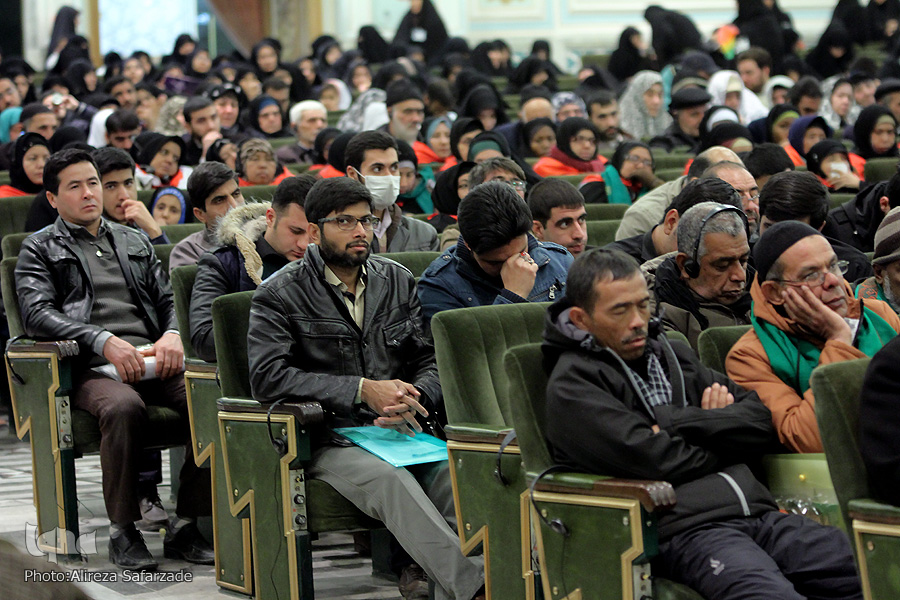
306, 413
475, 433
653, 495
61, 348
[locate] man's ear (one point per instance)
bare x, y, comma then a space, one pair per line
200, 215
773, 292
538, 230
270, 218
879, 271
352, 173
885, 204
580, 318
680, 259
51, 198
670, 221
314, 233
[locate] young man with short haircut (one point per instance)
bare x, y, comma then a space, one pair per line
202, 121
120, 198
558, 215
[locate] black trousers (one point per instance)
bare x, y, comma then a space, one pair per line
778, 555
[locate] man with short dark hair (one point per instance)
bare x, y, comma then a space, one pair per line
496, 260
804, 315
120, 198
856, 221
213, 190
372, 158
800, 196
558, 215
255, 240
122, 127
122, 90
622, 401
806, 95
100, 284
202, 121
765, 160
9, 93
149, 99
378, 369
603, 111
37, 118
755, 66
888, 94
279, 90
308, 118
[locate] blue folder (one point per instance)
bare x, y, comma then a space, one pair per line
394, 447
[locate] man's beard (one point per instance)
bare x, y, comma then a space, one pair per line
404, 132
889, 295
332, 256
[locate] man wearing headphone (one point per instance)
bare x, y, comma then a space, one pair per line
705, 283
623, 401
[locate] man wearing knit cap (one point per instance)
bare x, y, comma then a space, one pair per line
804, 315
687, 107
888, 94
406, 111
885, 284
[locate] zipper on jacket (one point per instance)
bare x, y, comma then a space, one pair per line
738, 491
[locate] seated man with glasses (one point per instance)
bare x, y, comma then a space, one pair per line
496, 259
343, 327
804, 315
499, 168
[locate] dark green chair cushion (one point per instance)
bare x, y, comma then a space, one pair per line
416, 262
573, 179
163, 252
671, 160
836, 200
13, 213
880, 169
601, 233
258, 193
714, 343
182, 286
469, 345
605, 212
836, 388
12, 243
670, 173
179, 231
329, 511
10, 297
527, 398
231, 322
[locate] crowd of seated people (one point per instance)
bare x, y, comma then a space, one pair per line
727, 167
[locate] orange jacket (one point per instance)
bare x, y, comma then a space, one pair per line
795, 157
748, 365
548, 167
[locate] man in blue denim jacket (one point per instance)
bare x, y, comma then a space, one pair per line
496, 260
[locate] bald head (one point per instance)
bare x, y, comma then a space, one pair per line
535, 109
718, 154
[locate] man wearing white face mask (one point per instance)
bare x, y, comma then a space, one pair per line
373, 160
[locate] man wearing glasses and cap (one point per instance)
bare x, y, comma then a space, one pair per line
804, 315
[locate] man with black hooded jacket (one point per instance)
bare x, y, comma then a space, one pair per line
647, 409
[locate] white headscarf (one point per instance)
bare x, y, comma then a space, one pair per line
97, 134
751, 107
635, 119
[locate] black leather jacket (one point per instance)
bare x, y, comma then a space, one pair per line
56, 294
303, 344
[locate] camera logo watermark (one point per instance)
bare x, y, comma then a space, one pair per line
84, 544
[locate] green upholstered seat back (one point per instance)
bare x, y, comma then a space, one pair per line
12, 243
416, 262
601, 233
714, 343
179, 231
836, 388
469, 345
182, 285
231, 321
836, 200
13, 213
670, 160
605, 212
528, 398
10, 297
258, 193
879, 169
163, 253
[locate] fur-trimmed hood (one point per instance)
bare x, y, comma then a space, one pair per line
241, 227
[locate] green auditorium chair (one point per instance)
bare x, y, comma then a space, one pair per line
231, 535
416, 262
880, 169
662, 160
800, 482
13, 213
875, 530
610, 532
12, 243
836, 200
179, 231
40, 374
605, 212
601, 233
258, 193
285, 509
488, 484
669, 173
281, 142
573, 179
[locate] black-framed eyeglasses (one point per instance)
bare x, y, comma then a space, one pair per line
646, 162
349, 222
817, 278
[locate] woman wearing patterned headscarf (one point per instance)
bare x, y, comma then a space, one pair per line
641, 107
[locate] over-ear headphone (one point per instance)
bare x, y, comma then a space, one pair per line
555, 525
279, 444
692, 264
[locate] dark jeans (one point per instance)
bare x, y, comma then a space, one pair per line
778, 555
122, 412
